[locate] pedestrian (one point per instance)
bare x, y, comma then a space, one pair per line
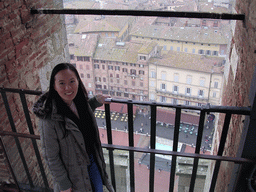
69, 134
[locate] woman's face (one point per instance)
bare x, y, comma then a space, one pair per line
66, 85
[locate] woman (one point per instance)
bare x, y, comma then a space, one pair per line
69, 134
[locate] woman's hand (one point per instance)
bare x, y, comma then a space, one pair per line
68, 190
101, 98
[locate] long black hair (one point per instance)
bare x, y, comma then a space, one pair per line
52, 93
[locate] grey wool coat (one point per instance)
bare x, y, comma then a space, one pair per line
66, 156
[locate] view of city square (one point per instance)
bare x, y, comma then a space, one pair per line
170, 60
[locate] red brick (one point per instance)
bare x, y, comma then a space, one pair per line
25, 15
22, 44
3, 13
13, 16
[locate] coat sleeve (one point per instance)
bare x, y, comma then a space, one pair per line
51, 151
94, 103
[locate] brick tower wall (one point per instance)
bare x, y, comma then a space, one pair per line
30, 46
239, 73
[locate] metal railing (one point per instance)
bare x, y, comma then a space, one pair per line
228, 111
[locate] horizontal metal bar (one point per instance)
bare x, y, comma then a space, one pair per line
30, 92
15, 134
207, 108
150, 13
175, 153
156, 151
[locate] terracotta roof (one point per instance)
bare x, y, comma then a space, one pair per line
83, 45
189, 61
187, 34
128, 52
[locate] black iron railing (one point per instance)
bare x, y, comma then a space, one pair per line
228, 111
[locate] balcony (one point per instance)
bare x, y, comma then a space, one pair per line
177, 94
193, 164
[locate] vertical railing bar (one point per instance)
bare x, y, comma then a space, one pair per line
110, 152
9, 164
220, 150
198, 146
31, 131
175, 148
7, 107
152, 146
131, 144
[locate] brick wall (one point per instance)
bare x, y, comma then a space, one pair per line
239, 72
30, 46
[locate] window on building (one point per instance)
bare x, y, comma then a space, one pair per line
105, 86
133, 83
193, 50
186, 50
111, 75
98, 79
189, 79
175, 89
103, 61
126, 95
201, 93
117, 76
152, 83
89, 85
88, 76
133, 72
124, 69
187, 103
171, 48
104, 79
188, 91
141, 72
79, 58
86, 58
214, 94
87, 67
162, 99
118, 81
174, 101
202, 82
141, 66
215, 53
200, 51
117, 68
125, 82
72, 57
110, 67
163, 86
96, 61
141, 84
208, 52
153, 74
118, 94
178, 48
142, 57
176, 77
98, 86
164, 48
82, 75
96, 66
152, 96
216, 83
81, 66
163, 75
103, 67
